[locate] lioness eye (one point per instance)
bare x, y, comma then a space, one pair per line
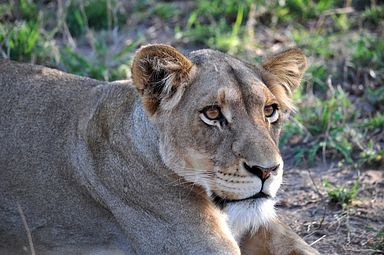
212, 112
271, 113
212, 115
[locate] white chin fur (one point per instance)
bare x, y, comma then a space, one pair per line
246, 216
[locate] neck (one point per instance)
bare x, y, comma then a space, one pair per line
143, 133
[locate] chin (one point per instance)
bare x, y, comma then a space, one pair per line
248, 215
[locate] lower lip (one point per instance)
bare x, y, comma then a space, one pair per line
222, 201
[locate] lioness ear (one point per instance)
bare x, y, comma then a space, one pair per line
160, 74
283, 74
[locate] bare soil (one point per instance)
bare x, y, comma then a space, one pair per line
304, 206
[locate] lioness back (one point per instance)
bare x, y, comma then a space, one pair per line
40, 110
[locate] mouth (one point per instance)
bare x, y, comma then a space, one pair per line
222, 202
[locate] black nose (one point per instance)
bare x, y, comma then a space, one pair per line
261, 172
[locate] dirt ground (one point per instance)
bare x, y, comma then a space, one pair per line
304, 207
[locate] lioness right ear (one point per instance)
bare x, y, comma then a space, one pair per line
160, 74
284, 72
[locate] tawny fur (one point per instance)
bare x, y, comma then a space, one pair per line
131, 168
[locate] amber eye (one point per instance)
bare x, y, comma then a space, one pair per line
271, 112
212, 112
212, 115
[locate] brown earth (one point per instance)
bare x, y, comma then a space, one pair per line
304, 206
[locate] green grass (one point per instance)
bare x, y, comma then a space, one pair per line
374, 14
102, 66
341, 195
23, 40
368, 52
333, 128
218, 24
379, 245
93, 14
319, 43
165, 10
326, 123
341, 102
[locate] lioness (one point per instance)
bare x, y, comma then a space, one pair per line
181, 160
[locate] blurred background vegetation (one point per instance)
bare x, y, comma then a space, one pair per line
341, 102
340, 116
340, 106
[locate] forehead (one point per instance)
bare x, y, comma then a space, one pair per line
220, 75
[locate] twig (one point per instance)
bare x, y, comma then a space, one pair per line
251, 23
326, 135
365, 250
62, 9
109, 15
318, 240
344, 10
322, 17
26, 229
321, 198
314, 184
89, 33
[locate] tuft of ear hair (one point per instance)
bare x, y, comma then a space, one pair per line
283, 73
160, 74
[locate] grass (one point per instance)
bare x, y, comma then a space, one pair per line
340, 104
217, 24
379, 245
341, 195
103, 65
23, 40
94, 14
334, 128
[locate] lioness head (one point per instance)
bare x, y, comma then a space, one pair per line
219, 118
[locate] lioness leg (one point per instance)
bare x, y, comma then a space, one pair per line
276, 239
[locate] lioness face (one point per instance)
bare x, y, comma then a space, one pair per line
233, 122
220, 118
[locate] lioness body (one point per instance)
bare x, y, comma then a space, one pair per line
86, 166
58, 164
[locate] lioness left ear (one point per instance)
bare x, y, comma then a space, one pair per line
160, 74
283, 73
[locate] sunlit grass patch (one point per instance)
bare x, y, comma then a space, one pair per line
341, 195
207, 25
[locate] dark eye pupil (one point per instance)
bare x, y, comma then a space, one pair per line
212, 113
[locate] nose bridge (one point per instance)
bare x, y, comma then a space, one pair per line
256, 147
